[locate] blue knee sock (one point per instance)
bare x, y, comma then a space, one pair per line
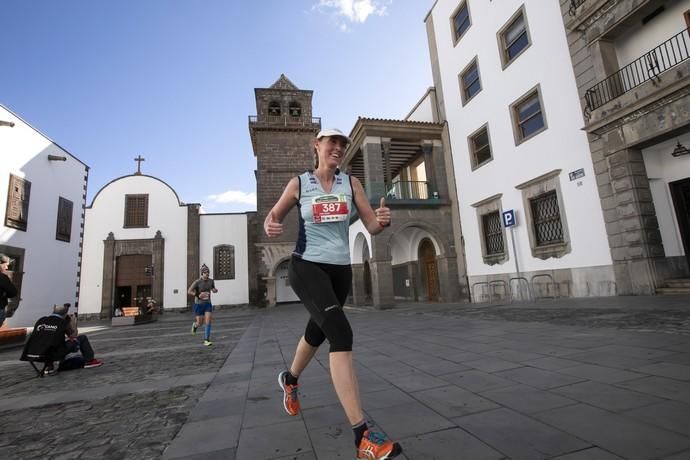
207, 335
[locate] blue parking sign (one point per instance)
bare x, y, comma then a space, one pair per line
509, 218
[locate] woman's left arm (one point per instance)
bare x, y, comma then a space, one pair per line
374, 220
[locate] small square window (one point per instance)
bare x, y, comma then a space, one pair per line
528, 116
514, 37
470, 84
136, 211
460, 21
480, 148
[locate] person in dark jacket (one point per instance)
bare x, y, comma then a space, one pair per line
7, 289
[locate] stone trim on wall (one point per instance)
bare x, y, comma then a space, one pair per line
112, 249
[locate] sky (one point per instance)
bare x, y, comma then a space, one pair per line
173, 80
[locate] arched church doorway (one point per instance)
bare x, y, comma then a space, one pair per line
284, 292
133, 280
429, 269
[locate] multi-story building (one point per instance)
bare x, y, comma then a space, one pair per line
505, 86
631, 63
43, 220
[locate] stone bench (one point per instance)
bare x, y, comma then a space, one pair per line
12, 337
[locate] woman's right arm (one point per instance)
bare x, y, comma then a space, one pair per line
272, 224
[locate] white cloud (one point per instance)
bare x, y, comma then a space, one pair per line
233, 197
354, 10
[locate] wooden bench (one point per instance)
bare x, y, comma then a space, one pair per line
12, 337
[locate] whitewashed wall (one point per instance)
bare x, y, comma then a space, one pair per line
562, 146
217, 229
643, 38
663, 168
106, 214
424, 110
50, 266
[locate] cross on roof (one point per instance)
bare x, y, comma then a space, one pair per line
139, 159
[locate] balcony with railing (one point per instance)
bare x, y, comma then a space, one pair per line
409, 190
648, 67
284, 120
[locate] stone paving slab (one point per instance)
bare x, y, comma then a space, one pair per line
574, 379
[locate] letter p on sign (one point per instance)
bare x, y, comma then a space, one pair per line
509, 218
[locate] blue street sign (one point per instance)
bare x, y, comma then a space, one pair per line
509, 218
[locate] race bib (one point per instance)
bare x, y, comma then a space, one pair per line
329, 208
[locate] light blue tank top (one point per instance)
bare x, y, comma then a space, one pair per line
324, 220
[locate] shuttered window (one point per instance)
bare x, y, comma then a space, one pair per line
17, 211
63, 231
224, 262
136, 210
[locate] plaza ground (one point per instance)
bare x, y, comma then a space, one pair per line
575, 379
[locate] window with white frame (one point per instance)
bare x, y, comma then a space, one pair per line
514, 38
528, 117
460, 21
480, 148
470, 84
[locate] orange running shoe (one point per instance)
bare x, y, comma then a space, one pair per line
290, 398
375, 446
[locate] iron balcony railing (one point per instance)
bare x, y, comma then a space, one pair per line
648, 67
409, 190
285, 120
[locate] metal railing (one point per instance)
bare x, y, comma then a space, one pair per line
285, 120
409, 190
647, 67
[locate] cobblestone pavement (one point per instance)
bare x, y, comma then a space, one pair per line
106, 412
651, 314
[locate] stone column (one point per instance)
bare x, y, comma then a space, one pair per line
108, 283
386, 145
382, 284
631, 222
373, 168
429, 168
270, 291
447, 279
358, 295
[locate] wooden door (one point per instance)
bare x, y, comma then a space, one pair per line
680, 192
427, 259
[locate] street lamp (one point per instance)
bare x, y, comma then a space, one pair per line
680, 150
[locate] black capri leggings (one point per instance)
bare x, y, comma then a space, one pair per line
323, 288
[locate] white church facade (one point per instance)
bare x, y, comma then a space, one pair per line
142, 242
43, 193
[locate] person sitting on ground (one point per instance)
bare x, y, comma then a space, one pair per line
79, 353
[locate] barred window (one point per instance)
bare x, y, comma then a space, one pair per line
461, 21
17, 211
493, 233
548, 228
224, 262
136, 211
63, 232
480, 149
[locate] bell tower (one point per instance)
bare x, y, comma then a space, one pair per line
281, 134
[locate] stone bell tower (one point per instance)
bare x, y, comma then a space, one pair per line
281, 134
